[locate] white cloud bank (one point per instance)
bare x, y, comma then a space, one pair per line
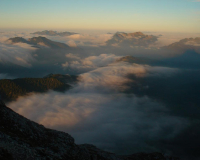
94, 111
92, 62
17, 54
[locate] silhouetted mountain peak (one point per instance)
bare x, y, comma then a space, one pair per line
18, 40
40, 42
40, 39
185, 44
131, 39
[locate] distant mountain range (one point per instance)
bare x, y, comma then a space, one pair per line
188, 60
40, 42
131, 39
184, 45
54, 33
182, 54
139, 39
10, 89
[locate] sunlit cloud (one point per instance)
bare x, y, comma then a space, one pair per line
94, 111
17, 54
89, 63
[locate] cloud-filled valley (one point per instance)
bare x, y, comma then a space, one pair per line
100, 80
135, 92
97, 111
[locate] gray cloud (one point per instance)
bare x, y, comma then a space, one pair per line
154, 116
92, 40
94, 111
5, 76
88, 40
103, 120
89, 63
193, 43
17, 54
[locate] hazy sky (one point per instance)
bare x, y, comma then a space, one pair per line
122, 15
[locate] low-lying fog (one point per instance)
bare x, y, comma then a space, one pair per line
147, 105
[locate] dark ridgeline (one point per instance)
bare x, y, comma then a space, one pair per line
10, 89
185, 44
40, 42
21, 138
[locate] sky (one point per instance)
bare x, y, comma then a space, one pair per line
110, 15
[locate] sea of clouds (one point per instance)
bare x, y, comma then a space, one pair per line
98, 109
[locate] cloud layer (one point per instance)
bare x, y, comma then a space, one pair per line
118, 106
96, 111
92, 62
18, 54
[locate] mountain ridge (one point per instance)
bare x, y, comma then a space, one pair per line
185, 44
40, 42
131, 39
11, 89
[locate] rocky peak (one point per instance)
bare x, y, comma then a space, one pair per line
38, 39
131, 39
126, 35
39, 42
18, 40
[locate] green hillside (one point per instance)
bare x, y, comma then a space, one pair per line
12, 89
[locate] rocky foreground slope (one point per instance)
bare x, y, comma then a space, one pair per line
21, 138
